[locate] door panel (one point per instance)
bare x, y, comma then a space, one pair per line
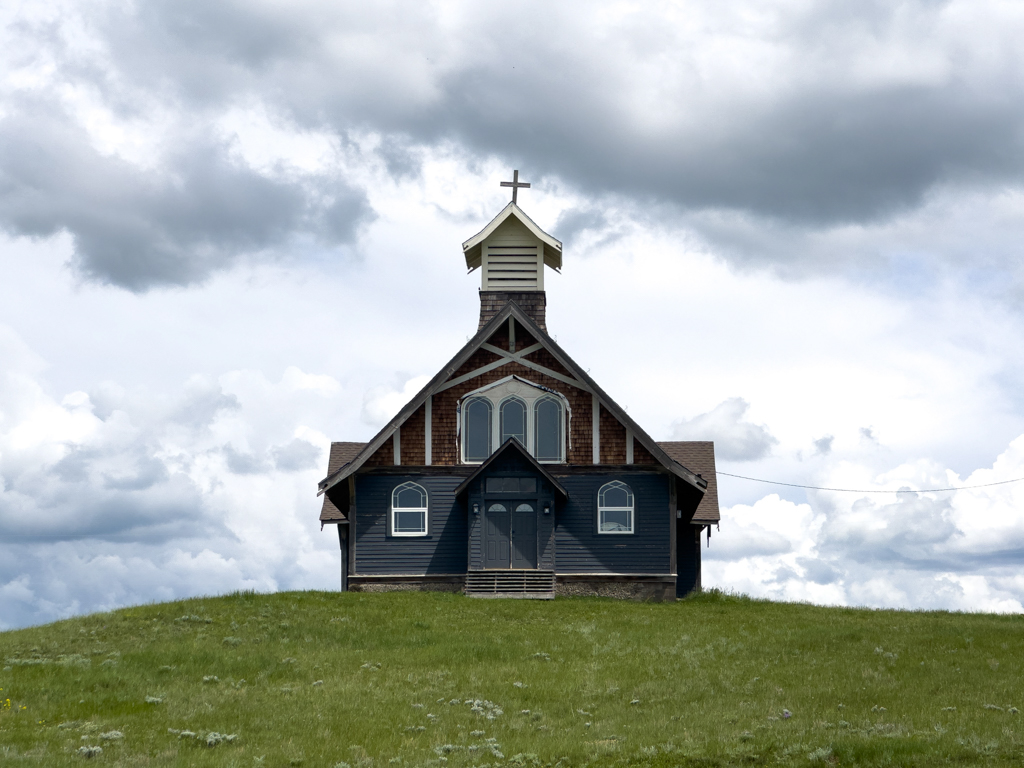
497, 525
524, 535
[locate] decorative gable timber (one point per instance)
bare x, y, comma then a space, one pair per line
540, 344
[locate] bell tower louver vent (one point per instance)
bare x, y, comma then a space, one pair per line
511, 252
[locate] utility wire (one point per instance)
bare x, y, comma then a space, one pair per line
874, 490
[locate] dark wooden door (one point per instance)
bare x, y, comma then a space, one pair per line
524, 534
497, 540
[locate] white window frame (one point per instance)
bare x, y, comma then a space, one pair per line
509, 388
497, 441
462, 426
425, 510
533, 420
631, 509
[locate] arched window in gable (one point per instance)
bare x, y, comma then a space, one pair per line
513, 421
476, 429
615, 508
548, 442
409, 510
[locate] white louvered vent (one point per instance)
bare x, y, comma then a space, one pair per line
512, 268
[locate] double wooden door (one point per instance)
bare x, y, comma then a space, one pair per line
510, 534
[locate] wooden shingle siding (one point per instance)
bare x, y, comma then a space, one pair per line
414, 439
641, 455
383, 456
613, 439
533, 303
545, 358
443, 550
478, 359
445, 439
581, 549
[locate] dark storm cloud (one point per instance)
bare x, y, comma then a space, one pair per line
821, 150
794, 121
174, 225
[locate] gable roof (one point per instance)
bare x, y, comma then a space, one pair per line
579, 376
552, 247
515, 446
699, 456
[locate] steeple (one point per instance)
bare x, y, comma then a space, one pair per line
511, 252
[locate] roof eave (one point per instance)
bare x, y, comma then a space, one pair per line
469, 248
443, 375
508, 445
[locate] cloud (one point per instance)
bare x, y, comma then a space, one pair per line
197, 211
382, 403
768, 133
297, 455
735, 439
140, 496
936, 550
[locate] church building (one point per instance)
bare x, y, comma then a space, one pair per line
512, 473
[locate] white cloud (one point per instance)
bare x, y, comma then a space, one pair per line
150, 497
952, 550
383, 402
808, 209
736, 439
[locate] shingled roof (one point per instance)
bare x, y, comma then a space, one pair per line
699, 456
341, 455
511, 309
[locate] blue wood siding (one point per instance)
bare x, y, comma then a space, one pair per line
581, 549
442, 550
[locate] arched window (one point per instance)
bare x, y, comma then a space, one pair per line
548, 444
409, 510
615, 508
513, 420
476, 429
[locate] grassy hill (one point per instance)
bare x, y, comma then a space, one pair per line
396, 680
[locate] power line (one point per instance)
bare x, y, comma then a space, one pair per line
872, 490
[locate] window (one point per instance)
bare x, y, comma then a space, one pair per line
513, 407
476, 429
511, 485
513, 421
548, 432
615, 508
409, 510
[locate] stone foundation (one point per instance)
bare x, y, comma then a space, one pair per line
643, 588
655, 589
406, 584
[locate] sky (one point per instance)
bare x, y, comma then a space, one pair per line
230, 233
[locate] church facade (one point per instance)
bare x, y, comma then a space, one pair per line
512, 473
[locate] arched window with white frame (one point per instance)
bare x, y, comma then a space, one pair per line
548, 443
513, 421
409, 510
514, 408
615, 508
476, 429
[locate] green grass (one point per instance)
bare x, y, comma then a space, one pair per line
705, 681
